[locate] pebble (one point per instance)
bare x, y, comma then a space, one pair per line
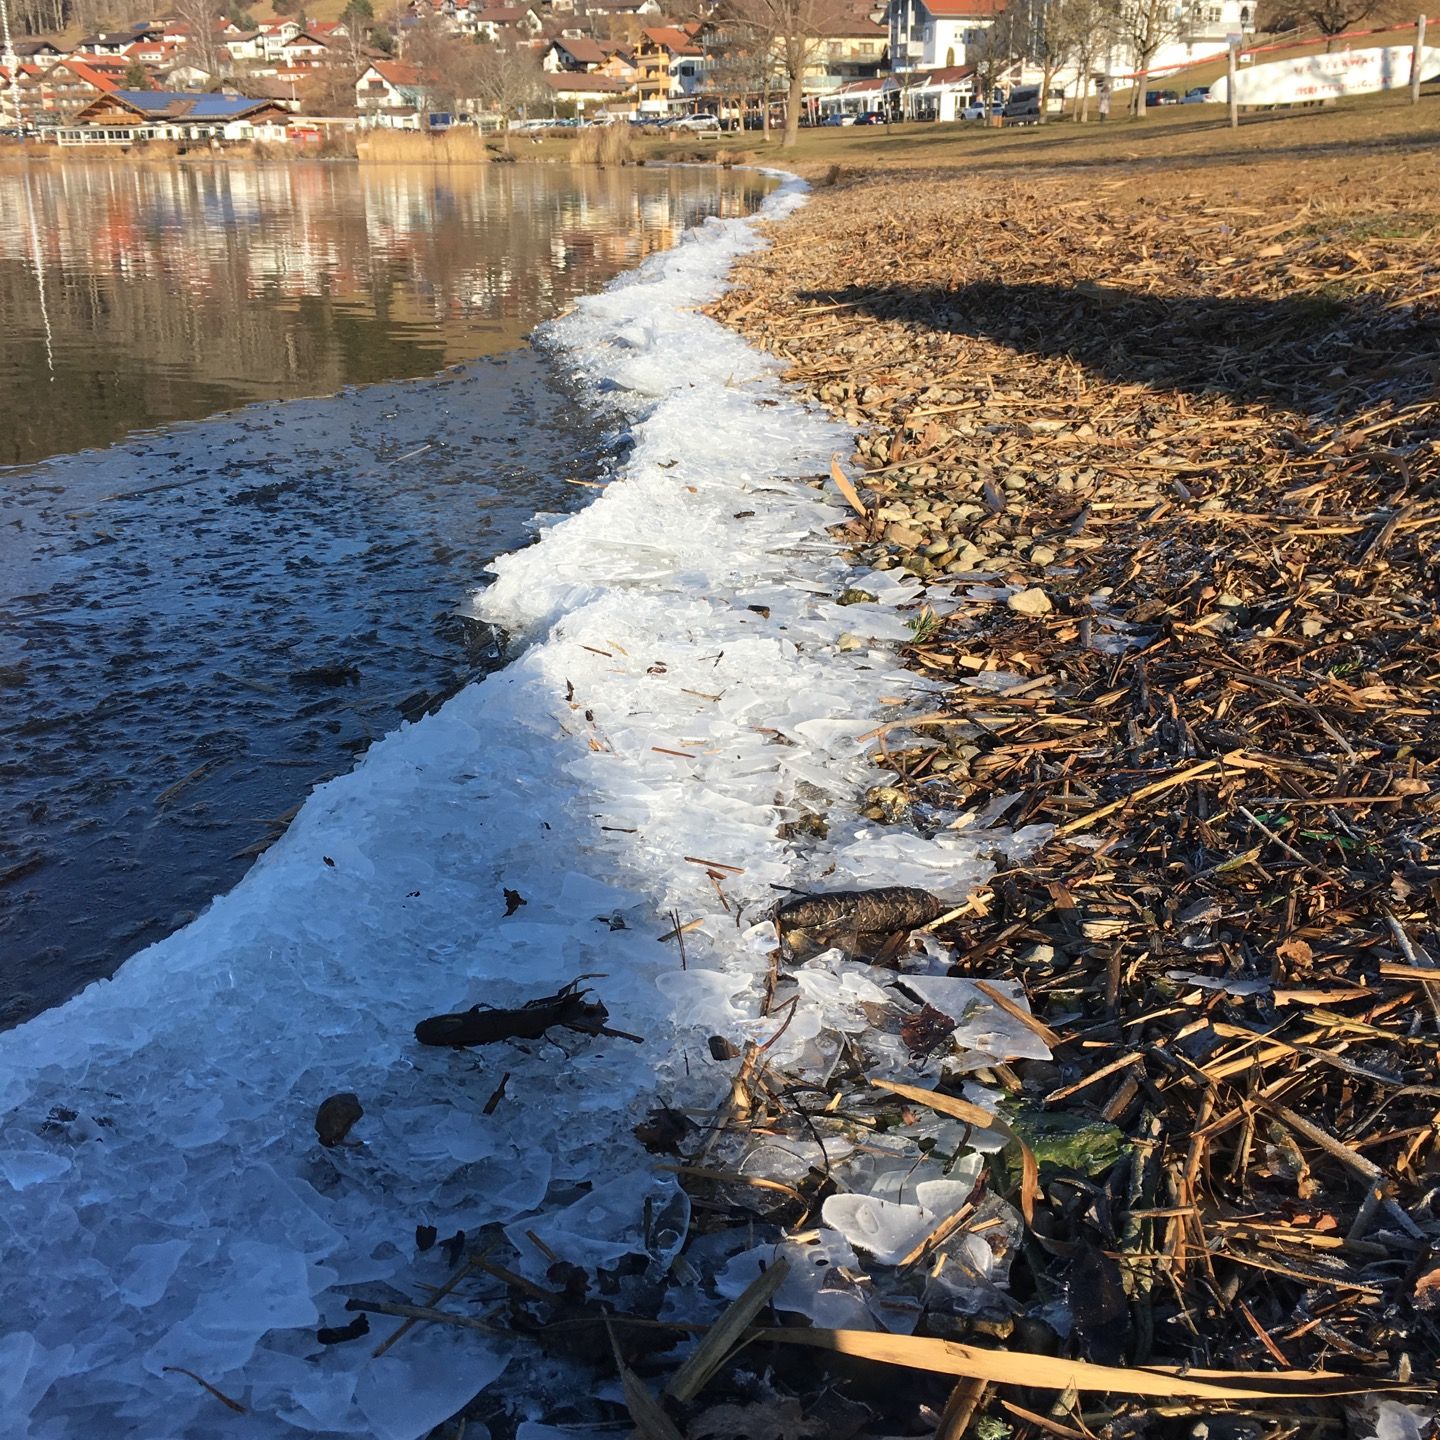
1033, 601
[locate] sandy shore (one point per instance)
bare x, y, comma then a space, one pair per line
1163, 447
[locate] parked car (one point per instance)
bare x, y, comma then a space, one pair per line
694, 123
1160, 97
979, 110
1023, 105
838, 117
873, 117
1198, 96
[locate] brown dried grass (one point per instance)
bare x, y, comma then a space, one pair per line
410, 147
603, 145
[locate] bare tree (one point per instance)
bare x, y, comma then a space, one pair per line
1142, 27
1082, 31
741, 60
507, 77
1334, 17
202, 44
800, 28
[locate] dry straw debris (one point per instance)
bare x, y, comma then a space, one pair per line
1204, 431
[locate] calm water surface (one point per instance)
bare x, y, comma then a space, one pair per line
204, 620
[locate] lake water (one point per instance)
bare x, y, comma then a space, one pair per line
203, 620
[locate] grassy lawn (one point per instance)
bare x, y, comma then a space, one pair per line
1174, 149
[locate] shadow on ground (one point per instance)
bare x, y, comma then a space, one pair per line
1318, 353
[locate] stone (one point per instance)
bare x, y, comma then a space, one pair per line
335, 1116
1033, 601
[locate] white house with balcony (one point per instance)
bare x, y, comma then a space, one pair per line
936, 34
1199, 29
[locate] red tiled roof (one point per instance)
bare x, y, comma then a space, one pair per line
946, 74
581, 48
964, 9
397, 72
672, 38
87, 73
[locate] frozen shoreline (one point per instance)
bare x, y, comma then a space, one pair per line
684, 691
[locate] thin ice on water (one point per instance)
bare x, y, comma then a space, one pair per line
681, 692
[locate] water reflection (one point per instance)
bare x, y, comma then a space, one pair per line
133, 295
197, 626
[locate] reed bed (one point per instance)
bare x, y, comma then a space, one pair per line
410, 147
603, 145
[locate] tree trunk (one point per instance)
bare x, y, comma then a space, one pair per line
1047, 77
1082, 110
793, 101
765, 108
1137, 105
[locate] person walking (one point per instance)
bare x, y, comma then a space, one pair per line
1104, 105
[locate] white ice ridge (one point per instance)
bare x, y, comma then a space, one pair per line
163, 1200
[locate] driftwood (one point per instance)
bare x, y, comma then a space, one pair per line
868, 923
567, 1009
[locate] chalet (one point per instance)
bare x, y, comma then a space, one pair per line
267, 87
248, 45
207, 112
151, 52
388, 89
126, 116
105, 42
305, 51
274, 35
494, 19
583, 91
619, 61
53, 95
184, 75
181, 32
38, 51
669, 62
573, 54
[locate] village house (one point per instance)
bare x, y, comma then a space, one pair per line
495, 19
60, 91
619, 61
852, 48
246, 47
932, 34
305, 51
39, 52
184, 74
13, 91
670, 64
1205, 24
573, 55
125, 116
153, 52
105, 42
583, 91
274, 35
644, 9
388, 90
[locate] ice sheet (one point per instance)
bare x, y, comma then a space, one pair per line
163, 1200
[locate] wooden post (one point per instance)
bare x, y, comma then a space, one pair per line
1416, 59
1230, 89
